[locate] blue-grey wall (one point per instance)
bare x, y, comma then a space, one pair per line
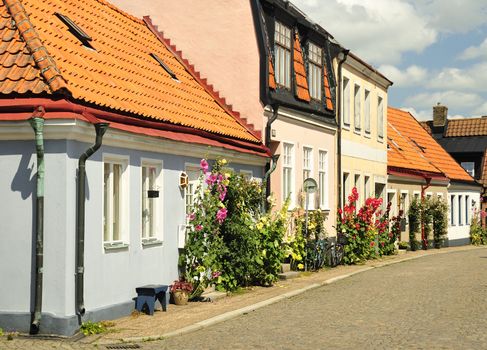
110, 276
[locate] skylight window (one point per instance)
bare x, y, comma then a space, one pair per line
163, 65
75, 30
422, 148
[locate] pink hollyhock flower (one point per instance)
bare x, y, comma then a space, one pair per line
211, 179
204, 165
223, 194
221, 215
216, 274
191, 216
198, 228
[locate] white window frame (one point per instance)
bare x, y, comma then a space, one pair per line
123, 212
346, 190
406, 202
429, 195
460, 210
417, 195
380, 118
394, 207
346, 82
358, 185
156, 232
471, 172
192, 186
439, 195
453, 209
323, 179
283, 47
291, 165
367, 187
357, 108
315, 70
467, 209
367, 112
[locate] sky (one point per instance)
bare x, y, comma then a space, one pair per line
433, 50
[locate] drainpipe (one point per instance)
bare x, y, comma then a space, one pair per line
37, 123
270, 167
423, 189
344, 54
100, 129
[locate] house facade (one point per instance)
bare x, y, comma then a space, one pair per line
363, 117
418, 167
99, 122
466, 141
273, 65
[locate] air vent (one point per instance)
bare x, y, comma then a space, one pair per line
79, 33
163, 65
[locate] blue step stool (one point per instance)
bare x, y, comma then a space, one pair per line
148, 295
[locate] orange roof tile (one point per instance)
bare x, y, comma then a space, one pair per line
272, 76
302, 91
39, 55
467, 127
424, 145
329, 101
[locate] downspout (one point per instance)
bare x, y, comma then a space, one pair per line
270, 167
339, 129
37, 123
423, 189
100, 129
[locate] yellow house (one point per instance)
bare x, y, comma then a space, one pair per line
363, 119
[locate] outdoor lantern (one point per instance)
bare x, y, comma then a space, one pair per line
183, 180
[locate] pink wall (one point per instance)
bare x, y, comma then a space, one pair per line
218, 37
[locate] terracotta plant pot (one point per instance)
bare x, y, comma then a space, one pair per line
180, 297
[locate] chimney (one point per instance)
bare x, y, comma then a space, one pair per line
440, 114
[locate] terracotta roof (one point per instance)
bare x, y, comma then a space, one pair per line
329, 101
302, 91
462, 127
483, 176
272, 76
41, 56
424, 146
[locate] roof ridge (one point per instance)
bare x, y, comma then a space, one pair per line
122, 12
43, 60
203, 81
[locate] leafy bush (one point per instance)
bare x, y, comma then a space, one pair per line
414, 216
439, 210
90, 328
231, 244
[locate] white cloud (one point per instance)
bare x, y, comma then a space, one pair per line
413, 75
471, 78
419, 115
474, 52
452, 99
379, 31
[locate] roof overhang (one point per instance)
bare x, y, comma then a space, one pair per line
361, 66
417, 176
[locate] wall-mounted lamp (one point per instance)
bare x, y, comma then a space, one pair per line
183, 180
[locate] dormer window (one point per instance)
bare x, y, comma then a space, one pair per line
282, 55
315, 57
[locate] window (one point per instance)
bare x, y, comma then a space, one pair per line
417, 195
323, 178
346, 102
429, 195
314, 70
165, 66
150, 200
367, 111
193, 173
404, 203
439, 195
391, 198
113, 200
282, 54
467, 210
469, 167
460, 210
452, 209
247, 174
380, 118
357, 108
307, 162
366, 187
346, 188
288, 163
356, 184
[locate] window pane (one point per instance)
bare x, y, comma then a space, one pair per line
346, 101
117, 171
367, 111
357, 108
106, 196
380, 118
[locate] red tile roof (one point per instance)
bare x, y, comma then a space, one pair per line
329, 101
272, 76
302, 91
462, 127
420, 147
39, 55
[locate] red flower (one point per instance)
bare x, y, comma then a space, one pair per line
372, 243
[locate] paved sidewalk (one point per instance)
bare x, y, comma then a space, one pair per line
182, 319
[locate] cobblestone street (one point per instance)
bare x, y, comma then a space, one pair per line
435, 302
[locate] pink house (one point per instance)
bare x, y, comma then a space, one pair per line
274, 66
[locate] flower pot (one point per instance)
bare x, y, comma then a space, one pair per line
180, 297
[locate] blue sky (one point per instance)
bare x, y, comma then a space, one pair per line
433, 50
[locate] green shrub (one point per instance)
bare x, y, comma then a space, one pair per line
414, 216
439, 210
90, 328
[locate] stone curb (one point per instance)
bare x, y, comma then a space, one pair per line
245, 310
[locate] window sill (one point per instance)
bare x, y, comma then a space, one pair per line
325, 209
346, 127
357, 131
151, 242
380, 139
115, 246
367, 135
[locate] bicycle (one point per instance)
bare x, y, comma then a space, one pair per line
335, 251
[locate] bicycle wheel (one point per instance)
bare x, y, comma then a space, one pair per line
339, 253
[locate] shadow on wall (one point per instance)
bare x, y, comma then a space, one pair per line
24, 182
